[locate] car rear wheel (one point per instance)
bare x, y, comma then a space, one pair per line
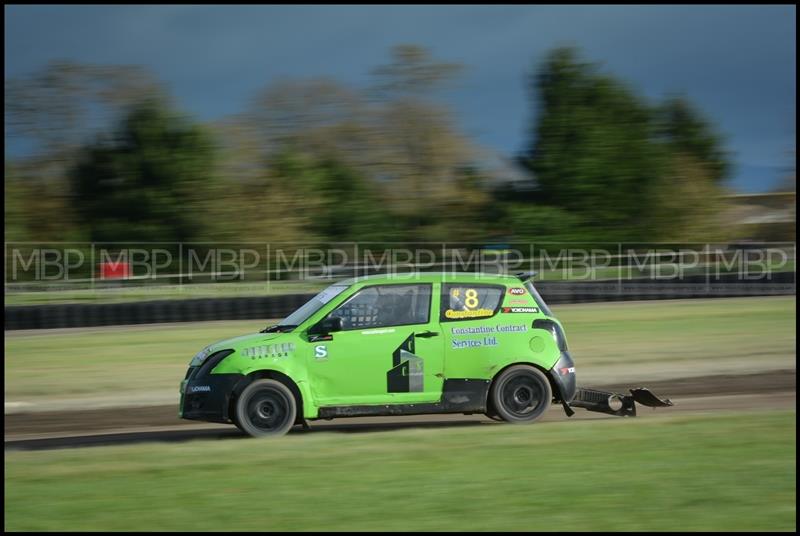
265, 408
521, 394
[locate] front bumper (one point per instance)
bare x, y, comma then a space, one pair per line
207, 398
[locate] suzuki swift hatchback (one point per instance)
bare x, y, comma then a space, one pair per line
396, 345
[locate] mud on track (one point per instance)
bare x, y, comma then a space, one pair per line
47, 430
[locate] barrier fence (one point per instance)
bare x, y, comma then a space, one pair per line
279, 306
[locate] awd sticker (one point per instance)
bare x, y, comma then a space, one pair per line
520, 309
516, 291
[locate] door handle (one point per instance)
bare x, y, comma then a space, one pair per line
426, 334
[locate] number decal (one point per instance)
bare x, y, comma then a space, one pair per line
466, 303
472, 299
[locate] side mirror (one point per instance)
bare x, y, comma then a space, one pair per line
326, 326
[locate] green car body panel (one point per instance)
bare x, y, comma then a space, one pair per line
411, 343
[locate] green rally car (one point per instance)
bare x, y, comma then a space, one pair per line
398, 345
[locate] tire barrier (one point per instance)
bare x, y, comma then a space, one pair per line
151, 312
266, 307
696, 286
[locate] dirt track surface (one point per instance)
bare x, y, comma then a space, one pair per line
43, 430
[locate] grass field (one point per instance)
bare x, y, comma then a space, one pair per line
609, 342
707, 472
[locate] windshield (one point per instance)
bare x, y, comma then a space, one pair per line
312, 306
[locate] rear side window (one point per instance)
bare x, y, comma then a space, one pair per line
538, 298
468, 302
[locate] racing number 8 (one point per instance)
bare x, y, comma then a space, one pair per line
472, 298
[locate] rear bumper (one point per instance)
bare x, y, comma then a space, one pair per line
207, 398
563, 377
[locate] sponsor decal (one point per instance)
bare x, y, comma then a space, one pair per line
200, 389
518, 302
478, 330
567, 370
377, 331
516, 291
477, 313
473, 343
512, 329
321, 352
472, 330
282, 349
520, 309
329, 293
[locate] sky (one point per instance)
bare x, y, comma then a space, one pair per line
735, 63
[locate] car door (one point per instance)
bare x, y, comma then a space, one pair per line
476, 338
389, 351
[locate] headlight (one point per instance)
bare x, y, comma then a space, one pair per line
201, 356
212, 361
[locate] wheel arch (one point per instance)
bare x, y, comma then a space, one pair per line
555, 389
272, 375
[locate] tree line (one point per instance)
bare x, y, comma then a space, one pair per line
108, 157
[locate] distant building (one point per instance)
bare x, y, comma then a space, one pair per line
764, 216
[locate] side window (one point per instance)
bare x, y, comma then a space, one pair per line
465, 302
385, 305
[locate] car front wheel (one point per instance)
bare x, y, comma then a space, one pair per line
521, 394
265, 408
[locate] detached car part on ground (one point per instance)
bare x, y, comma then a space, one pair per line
407, 344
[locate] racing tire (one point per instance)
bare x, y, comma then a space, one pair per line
521, 395
265, 408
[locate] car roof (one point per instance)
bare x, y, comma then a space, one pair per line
434, 277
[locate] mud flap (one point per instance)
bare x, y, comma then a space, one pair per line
646, 398
616, 404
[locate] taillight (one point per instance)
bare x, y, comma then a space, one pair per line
554, 329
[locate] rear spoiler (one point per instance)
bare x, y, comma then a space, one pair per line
524, 276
